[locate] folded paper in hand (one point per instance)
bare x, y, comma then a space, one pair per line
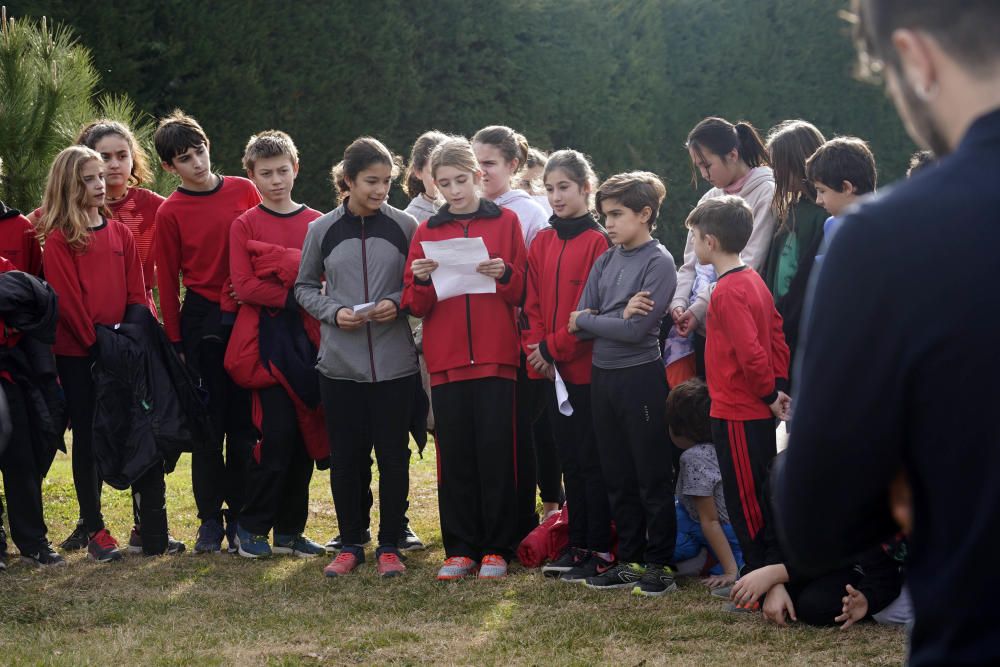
364, 309
456, 272
562, 396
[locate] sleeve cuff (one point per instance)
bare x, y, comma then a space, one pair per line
424, 283
507, 273
770, 398
781, 384
543, 349
335, 313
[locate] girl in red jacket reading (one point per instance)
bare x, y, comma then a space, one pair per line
558, 265
472, 351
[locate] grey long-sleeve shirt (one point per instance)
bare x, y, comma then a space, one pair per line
616, 276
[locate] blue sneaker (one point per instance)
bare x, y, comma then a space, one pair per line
251, 546
210, 536
297, 545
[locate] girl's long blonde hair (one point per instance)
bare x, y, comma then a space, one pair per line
65, 201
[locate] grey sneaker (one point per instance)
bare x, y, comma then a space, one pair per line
722, 592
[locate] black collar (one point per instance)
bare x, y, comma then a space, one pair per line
282, 215
736, 270
487, 209
570, 228
203, 193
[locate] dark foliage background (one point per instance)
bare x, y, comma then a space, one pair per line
623, 81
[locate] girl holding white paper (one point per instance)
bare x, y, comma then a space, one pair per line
367, 360
559, 262
472, 353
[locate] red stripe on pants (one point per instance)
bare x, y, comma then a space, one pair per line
744, 478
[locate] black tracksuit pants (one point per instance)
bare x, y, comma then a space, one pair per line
629, 411
78, 385
361, 416
219, 479
477, 466
148, 492
21, 481
586, 496
279, 469
537, 459
745, 450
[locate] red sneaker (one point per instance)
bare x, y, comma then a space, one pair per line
390, 565
343, 564
456, 567
493, 567
103, 548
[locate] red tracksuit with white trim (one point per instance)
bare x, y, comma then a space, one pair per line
746, 359
472, 351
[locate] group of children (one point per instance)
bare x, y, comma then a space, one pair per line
641, 395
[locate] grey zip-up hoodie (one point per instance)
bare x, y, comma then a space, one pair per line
363, 261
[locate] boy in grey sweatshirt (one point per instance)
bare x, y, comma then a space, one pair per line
628, 384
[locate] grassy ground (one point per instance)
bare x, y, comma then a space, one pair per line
223, 609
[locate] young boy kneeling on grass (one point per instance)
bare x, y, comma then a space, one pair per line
702, 519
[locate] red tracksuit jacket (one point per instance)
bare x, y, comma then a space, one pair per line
746, 357
559, 262
474, 330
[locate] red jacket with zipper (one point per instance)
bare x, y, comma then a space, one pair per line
470, 330
558, 265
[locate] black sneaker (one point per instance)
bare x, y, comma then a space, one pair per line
209, 538
409, 541
44, 557
231, 523
78, 539
593, 566
569, 558
623, 575
336, 543
658, 580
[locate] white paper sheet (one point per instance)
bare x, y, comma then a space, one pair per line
364, 309
456, 272
562, 396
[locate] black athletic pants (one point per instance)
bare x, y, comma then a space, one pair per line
746, 450
629, 406
537, 459
477, 466
361, 416
148, 492
217, 479
279, 470
78, 385
21, 482
550, 483
818, 601
589, 512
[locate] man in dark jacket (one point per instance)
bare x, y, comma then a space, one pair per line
899, 360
